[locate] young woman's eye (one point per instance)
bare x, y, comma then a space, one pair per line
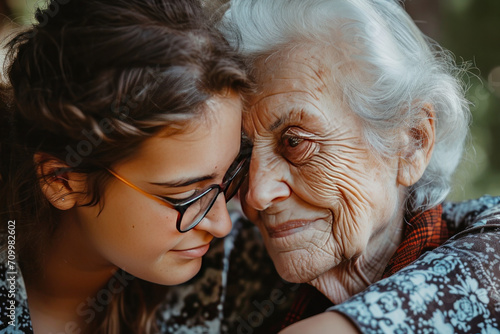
297, 146
182, 197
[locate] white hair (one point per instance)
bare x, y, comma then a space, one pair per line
400, 71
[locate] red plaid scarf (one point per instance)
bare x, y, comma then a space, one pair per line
423, 232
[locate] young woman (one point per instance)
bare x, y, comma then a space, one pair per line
120, 147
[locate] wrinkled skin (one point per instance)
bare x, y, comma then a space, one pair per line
329, 208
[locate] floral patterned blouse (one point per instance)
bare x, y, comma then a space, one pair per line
453, 289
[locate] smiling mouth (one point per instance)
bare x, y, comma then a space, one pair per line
288, 228
195, 252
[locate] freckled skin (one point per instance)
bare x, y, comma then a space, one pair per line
311, 165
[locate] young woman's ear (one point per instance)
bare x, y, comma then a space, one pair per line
418, 144
62, 189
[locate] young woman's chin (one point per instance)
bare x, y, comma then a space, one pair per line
171, 274
184, 273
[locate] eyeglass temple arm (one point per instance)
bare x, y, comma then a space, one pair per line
138, 189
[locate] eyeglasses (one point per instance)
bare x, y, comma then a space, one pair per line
194, 208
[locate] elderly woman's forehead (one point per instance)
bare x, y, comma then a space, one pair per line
313, 61
301, 69
294, 85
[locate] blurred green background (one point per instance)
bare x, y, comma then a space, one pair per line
471, 30
468, 28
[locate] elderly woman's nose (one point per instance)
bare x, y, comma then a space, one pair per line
266, 185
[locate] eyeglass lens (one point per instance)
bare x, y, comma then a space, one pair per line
198, 209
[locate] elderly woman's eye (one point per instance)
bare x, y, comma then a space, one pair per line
297, 146
294, 141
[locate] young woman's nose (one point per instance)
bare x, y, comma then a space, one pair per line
217, 221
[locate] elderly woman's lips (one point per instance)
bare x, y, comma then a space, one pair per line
282, 230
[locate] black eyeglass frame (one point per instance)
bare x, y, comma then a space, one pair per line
242, 163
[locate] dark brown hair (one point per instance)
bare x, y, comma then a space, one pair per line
87, 85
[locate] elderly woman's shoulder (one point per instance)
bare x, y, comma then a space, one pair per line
463, 215
478, 229
451, 289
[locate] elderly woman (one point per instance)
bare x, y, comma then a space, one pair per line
357, 128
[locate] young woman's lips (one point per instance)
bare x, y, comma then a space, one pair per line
288, 228
193, 253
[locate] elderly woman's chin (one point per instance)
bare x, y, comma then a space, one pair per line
305, 239
301, 249
302, 265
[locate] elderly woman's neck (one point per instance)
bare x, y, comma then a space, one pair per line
353, 276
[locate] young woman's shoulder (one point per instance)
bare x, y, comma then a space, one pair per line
14, 317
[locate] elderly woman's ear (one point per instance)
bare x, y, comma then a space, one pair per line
417, 146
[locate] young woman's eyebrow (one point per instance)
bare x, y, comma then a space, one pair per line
183, 182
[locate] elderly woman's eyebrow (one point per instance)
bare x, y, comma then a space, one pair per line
276, 124
297, 115
280, 121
